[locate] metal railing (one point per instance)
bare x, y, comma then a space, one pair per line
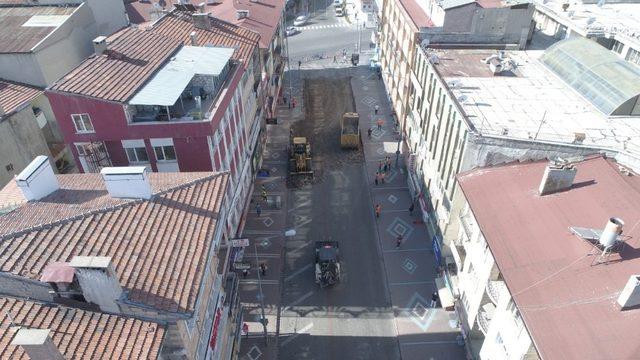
494, 289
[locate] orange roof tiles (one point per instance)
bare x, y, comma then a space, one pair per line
15, 38
14, 95
178, 25
158, 247
132, 57
567, 303
80, 334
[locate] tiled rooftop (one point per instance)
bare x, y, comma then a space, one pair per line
178, 25
418, 14
14, 95
80, 334
263, 18
132, 57
159, 247
568, 304
15, 37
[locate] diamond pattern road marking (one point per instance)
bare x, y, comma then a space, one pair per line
268, 222
409, 266
369, 101
392, 199
380, 150
275, 155
270, 186
254, 353
265, 243
420, 311
378, 133
391, 174
400, 227
420, 314
274, 170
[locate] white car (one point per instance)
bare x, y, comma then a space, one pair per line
300, 20
339, 11
337, 3
291, 30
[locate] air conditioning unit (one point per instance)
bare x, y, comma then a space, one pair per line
241, 14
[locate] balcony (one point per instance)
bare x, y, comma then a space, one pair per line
485, 315
494, 289
466, 227
186, 89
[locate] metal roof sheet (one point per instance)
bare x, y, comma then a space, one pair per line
169, 82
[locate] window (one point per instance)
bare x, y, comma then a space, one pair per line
82, 122
137, 154
165, 153
617, 46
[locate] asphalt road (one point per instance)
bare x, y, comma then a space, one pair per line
327, 34
352, 320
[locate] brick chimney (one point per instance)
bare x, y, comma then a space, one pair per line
98, 281
557, 177
37, 344
201, 20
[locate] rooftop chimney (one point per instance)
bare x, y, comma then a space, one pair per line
37, 180
37, 344
98, 281
194, 38
201, 21
201, 6
128, 182
241, 14
100, 45
557, 177
630, 295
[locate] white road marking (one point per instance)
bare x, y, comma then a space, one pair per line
301, 331
299, 301
298, 272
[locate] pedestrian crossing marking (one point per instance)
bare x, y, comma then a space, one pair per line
318, 27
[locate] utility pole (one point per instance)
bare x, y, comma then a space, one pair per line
263, 319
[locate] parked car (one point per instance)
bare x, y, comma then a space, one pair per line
291, 30
300, 20
339, 11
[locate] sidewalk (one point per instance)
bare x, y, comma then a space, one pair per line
266, 238
423, 332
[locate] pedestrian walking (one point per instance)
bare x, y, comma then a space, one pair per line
380, 122
245, 330
411, 209
385, 167
263, 269
284, 99
382, 178
258, 210
377, 179
376, 108
293, 102
434, 299
245, 272
369, 131
299, 64
378, 210
264, 195
335, 59
380, 166
398, 241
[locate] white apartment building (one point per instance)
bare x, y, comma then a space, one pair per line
466, 113
615, 25
532, 280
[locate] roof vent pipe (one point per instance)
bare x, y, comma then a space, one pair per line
611, 231
194, 38
201, 21
37, 180
37, 344
128, 182
557, 177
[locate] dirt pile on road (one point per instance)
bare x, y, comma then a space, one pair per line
325, 101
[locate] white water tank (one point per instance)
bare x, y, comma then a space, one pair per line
611, 231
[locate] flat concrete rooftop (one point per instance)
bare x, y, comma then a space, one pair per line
530, 102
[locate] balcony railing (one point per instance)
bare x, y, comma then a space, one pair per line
494, 289
465, 226
484, 317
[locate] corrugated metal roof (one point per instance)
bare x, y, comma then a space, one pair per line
168, 83
568, 304
15, 37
